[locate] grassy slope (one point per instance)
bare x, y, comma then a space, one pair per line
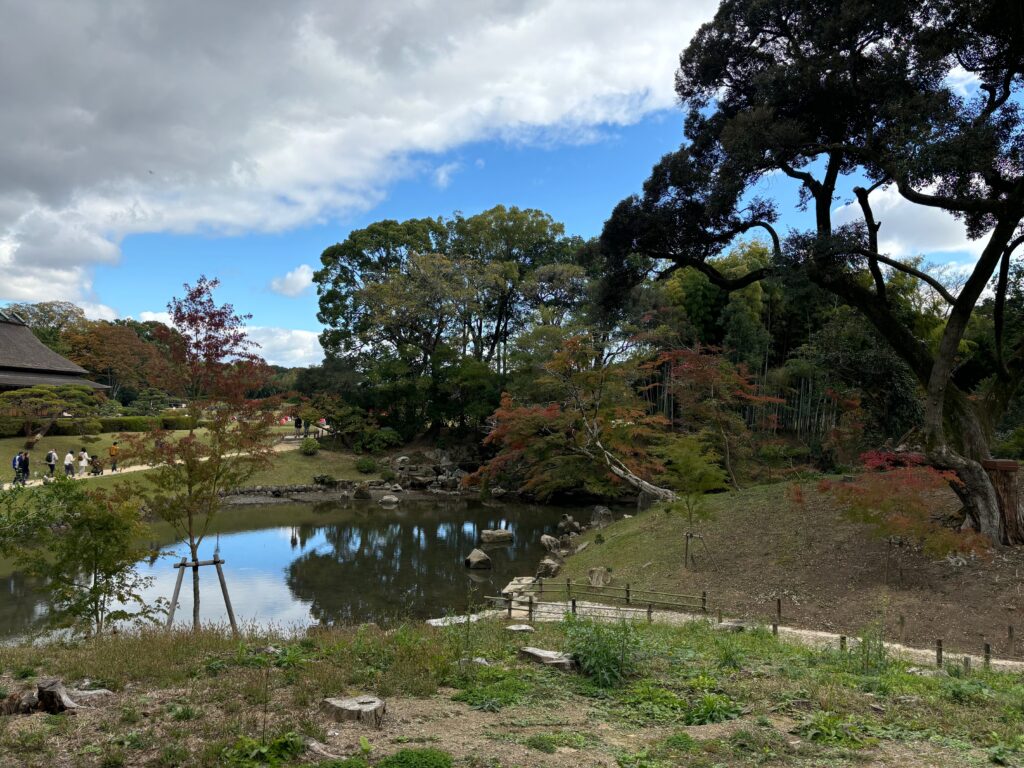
829, 571
697, 698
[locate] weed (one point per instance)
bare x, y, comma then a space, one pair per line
680, 742
417, 758
24, 673
247, 752
642, 759
606, 653
711, 708
112, 759
835, 730
182, 712
729, 654
129, 715
647, 702
172, 756
550, 742
965, 691
492, 689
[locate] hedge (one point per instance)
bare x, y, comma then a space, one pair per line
15, 427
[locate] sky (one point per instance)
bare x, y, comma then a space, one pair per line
145, 143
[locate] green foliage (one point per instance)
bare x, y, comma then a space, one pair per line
711, 708
606, 653
550, 742
247, 752
835, 730
366, 465
647, 702
417, 758
378, 440
492, 688
309, 446
83, 546
692, 470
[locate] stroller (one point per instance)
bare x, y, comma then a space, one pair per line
96, 466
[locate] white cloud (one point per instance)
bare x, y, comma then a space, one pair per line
443, 174
288, 347
160, 317
294, 283
911, 230
256, 115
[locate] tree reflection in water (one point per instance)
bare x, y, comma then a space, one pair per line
408, 562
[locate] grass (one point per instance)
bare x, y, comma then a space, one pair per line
207, 699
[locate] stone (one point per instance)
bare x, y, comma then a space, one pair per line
568, 525
599, 576
582, 546
497, 536
554, 659
478, 559
368, 710
497, 492
517, 586
449, 621
601, 516
548, 568
362, 491
401, 460
389, 500
520, 628
550, 543
730, 625
396, 488
477, 661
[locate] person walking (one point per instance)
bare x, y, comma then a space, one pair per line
16, 466
51, 461
69, 464
83, 461
24, 467
113, 452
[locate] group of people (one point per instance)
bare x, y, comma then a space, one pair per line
86, 464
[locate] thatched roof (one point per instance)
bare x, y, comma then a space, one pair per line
25, 361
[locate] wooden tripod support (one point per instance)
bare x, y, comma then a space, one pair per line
688, 555
223, 587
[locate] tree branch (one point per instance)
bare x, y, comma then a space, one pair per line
898, 265
1000, 303
873, 226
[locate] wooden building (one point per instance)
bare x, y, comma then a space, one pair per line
26, 362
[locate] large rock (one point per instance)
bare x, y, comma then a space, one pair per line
497, 536
548, 568
550, 543
362, 491
478, 559
568, 525
601, 516
368, 710
548, 658
389, 500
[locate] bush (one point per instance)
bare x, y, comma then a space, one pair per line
378, 440
310, 447
606, 653
417, 758
388, 476
711, 708
366, 465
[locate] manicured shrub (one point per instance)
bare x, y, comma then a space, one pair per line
366, 465
310, 447
378, 440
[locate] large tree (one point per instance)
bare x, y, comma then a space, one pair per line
857, 97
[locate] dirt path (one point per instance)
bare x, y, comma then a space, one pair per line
281, 447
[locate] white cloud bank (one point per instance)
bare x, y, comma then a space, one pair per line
258, 115
294, 283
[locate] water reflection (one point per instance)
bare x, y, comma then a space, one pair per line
336, 562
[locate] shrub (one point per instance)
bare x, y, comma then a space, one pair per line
378, 440
836, 730
366, 465
606, 653
417, 758
309, 447
388, 476
247, 752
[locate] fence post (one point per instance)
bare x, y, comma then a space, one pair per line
938, 653
842, 642
627, 593
541, 582
568, 588
530, 607
778, 609
1009, 635
508, 599
775, 629
967, 665
650, 612
704, 602
988, 655
574, 606
719, 615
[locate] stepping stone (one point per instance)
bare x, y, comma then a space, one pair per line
520, 628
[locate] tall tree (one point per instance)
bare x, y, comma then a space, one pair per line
857, 96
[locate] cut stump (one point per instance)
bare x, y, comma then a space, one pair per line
368, 710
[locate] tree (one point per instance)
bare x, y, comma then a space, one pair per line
692, 470
49, 320
116, 354
856, 96
216, 362
40, 407
83, 546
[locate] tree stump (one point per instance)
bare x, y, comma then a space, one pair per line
53, 697
368, 710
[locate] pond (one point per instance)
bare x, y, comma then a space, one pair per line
341, 561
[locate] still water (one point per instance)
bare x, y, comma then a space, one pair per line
339, 562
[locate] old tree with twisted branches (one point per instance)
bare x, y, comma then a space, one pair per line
919, 99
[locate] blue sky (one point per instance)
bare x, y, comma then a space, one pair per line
577, 183
145, 144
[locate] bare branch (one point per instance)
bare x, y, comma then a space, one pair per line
898, 265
